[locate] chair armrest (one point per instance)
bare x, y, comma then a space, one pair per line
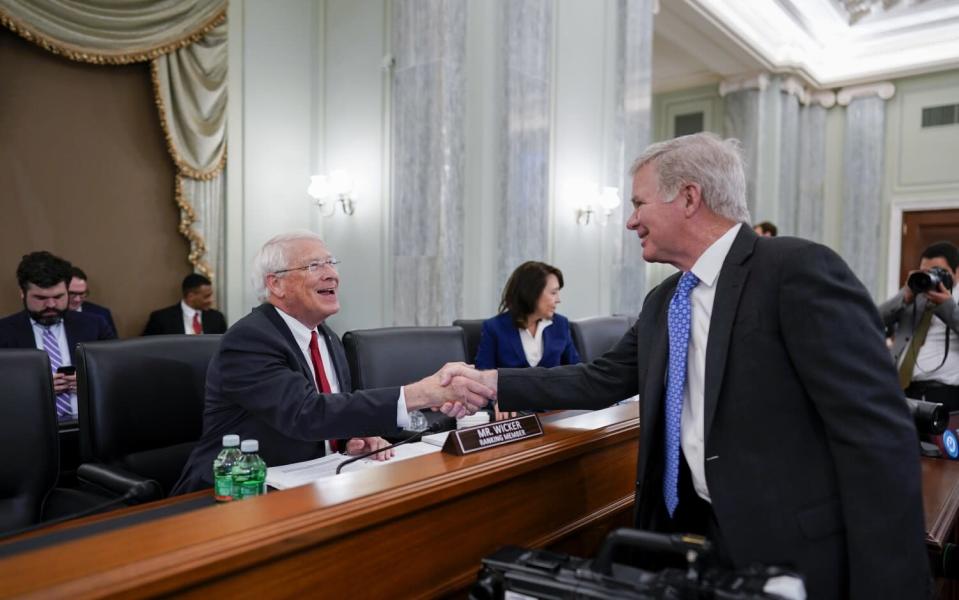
120, 482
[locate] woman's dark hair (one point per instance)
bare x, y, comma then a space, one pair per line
524, 288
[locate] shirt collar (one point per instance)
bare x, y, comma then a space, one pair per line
188, 311
301, 333
710, 262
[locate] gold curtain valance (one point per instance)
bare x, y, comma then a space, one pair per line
112, 31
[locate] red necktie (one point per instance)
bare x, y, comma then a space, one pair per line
322, 383
197, 327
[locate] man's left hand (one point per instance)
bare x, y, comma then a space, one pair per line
363, 445
939, 296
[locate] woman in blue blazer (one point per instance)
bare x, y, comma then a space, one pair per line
528, 332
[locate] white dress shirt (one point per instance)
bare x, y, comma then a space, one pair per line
932, 350
188, 312
533, 345
302, 334
693, 422
61, 333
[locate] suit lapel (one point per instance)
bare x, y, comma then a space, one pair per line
729, 287
338, 358
515, 343
277, 321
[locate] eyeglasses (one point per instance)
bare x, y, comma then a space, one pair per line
313, 267
78, 294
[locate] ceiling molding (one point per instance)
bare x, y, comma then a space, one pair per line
884, 90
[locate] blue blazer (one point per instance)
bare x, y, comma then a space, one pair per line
102, 312
500, 346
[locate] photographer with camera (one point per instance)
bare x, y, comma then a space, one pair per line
926, 317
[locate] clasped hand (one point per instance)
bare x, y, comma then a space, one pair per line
456, 390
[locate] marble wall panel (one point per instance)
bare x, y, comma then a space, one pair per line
634, 97
525, 135
812, 173
863, 154
743, 118
428, 95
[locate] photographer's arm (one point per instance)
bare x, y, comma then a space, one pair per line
890, 309
948, 311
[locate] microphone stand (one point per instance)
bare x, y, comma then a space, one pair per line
419, 434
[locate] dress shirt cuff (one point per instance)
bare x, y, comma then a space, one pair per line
402, 415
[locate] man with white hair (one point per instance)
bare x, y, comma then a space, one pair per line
280, 375
772, 420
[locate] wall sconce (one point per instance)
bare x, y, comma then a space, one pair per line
339, 186
592, 202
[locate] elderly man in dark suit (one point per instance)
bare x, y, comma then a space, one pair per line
192, 315
46, 323
281, 376
772, 421
79, 290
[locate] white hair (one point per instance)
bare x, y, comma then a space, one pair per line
275, 255
703, 158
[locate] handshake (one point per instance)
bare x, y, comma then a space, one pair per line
456, 390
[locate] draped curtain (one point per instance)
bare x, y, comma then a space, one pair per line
185, 42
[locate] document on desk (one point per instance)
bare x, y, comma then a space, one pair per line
302, 473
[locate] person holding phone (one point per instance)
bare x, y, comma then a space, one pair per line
46, 324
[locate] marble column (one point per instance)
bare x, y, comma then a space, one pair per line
862, 159
525, 134
634, 99
790, 108
744, 116
810, 203
428, 93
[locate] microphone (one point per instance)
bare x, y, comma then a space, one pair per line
142, 491
433, 428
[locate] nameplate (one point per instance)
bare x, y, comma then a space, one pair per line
489, 435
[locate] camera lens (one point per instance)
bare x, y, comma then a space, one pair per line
931, 418
920, 282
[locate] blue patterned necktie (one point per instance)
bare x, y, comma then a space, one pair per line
52, 347
678, 323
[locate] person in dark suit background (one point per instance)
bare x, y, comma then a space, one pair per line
78, 291
192, 315
528, 331
281, 376
785, 439
45, 323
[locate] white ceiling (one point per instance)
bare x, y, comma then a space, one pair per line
699, 42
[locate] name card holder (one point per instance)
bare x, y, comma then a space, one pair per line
489, 435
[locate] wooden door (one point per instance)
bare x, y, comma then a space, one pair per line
920, 228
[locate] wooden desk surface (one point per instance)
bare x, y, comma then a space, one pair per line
416, 529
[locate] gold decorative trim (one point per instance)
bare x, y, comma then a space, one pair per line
182, 166
187, 219
80, 55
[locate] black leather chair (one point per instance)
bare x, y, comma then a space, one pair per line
400, 355
472, 328
596, 335
30, 443
28, 421
141, 406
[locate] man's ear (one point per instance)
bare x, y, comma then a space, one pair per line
274, 284
692, 198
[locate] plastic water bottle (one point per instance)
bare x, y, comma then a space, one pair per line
249, 473
223, 490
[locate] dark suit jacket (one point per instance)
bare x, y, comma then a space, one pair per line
811, 455
102, 312
169, 320
500, 344
17, 332
259, 386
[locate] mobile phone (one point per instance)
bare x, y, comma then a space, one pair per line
67, 370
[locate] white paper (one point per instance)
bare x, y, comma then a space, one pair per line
302, 473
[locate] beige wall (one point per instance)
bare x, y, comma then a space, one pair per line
84, 173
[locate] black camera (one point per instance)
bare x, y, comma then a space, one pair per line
921, 282
513, 572
931, 418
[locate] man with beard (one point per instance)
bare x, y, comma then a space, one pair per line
46, 324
